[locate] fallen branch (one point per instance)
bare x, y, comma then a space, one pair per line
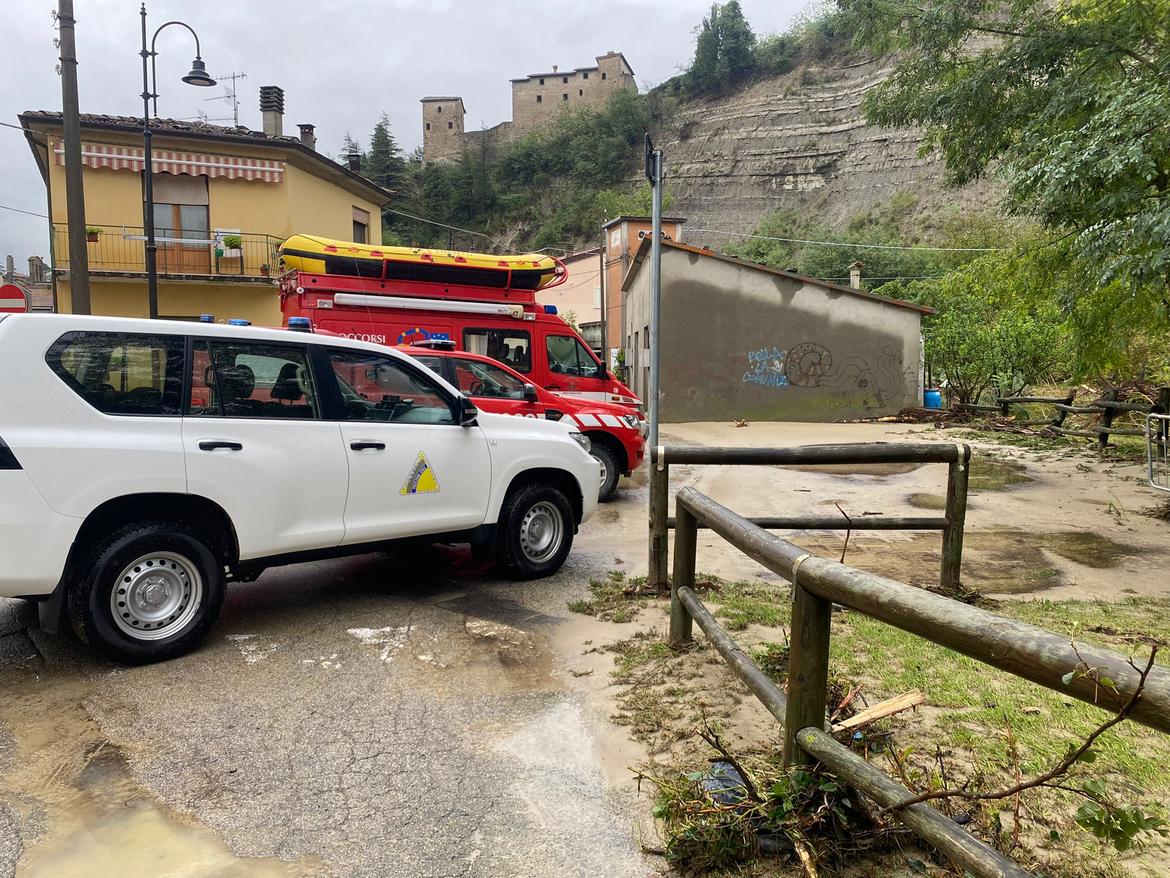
882, 709
1060, 769
708, 734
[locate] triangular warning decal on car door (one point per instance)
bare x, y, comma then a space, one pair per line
422, 478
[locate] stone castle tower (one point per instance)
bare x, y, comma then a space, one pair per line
536, 98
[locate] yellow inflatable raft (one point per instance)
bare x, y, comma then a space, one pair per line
532, 271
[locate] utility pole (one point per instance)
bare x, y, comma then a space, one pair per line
604, 305
654, 173
79, 302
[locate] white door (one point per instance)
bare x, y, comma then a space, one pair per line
255, 443
412, 469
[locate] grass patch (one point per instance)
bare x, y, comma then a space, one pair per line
614, 598
922, 500
749, 602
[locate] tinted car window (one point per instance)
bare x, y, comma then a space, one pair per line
512, 347
377, 388
251, 380
477, 378
122, 373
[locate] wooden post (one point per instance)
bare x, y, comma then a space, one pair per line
1004, 406
958, 472
808, 670
659, 495
685, 544
1107, 419
1061, 414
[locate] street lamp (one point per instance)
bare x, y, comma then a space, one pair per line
197, 76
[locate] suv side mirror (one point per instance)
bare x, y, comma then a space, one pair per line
467, 412
531, 394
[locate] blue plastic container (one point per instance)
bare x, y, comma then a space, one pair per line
932, 399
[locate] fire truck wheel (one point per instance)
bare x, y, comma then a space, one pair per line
148, 591
535, 531
609, 471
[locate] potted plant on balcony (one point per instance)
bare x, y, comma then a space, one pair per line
264, 269
92, 233
232, 246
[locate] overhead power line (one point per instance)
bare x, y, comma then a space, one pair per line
19, 210
423, 219
844, 243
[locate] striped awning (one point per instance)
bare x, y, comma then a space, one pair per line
169, 161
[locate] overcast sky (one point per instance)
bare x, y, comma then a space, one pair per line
341, 64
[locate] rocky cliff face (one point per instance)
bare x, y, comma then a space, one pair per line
798, 141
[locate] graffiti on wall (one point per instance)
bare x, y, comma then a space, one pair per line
851, 380
766, 367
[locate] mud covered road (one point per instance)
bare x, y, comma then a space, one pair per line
418, 716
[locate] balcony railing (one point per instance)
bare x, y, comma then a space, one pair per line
122, 250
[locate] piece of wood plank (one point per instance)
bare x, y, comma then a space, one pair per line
882, 709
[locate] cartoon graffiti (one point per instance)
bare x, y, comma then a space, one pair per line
850, 381
807, 363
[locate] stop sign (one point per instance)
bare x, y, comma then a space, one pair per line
12, 300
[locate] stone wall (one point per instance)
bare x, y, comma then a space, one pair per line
442, 128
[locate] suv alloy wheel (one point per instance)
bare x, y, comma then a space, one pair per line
535, 531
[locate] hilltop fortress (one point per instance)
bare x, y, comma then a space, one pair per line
536, 98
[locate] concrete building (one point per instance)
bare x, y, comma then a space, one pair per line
579, 298
224, 200
623, 237
740, 340
536, 99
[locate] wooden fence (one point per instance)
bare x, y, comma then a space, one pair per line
956, 456
1107, 407
1024, 650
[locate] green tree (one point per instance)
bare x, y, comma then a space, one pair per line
724, 49
384, 163
1067, 101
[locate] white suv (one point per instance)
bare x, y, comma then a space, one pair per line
145, 463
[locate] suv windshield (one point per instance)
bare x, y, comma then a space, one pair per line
567, 356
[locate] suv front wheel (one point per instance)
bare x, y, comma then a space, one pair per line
536, 531
148, 591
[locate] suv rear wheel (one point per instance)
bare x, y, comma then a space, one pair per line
148, 591
536, 531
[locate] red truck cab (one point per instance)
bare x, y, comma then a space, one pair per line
614, 432
507, 325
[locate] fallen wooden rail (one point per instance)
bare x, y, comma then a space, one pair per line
957, 456
1021, 649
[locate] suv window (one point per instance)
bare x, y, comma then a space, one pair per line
378, 388
476, 378
251, 380
567, 356
512, 347
121, 373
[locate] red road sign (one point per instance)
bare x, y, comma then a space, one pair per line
12, 300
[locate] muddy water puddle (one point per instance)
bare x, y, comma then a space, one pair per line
995, 562
79, 811
873, 470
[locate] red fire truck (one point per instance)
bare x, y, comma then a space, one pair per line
383, 302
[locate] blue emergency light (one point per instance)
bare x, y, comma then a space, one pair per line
206, 318
300, 324
239, 321
550, 309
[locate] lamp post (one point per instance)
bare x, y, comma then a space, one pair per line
197, 76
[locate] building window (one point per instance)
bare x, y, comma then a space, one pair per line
603, 75
428, 126
450, 124
440, 108
580, 92
564, 79
361, 226
542, 80
181, 215
585, 75
539, 98
565, 96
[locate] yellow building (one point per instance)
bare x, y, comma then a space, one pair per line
224, 199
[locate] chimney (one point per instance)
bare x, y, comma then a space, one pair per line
308, 138
555, 68
9, 269
855, 275
272, 108
36, 269
353, 161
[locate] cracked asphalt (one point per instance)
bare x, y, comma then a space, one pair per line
383, 715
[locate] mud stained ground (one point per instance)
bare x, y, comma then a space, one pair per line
418, 715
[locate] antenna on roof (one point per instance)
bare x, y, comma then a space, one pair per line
229, 95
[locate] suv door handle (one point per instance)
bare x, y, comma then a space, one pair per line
364, 445
214, 444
